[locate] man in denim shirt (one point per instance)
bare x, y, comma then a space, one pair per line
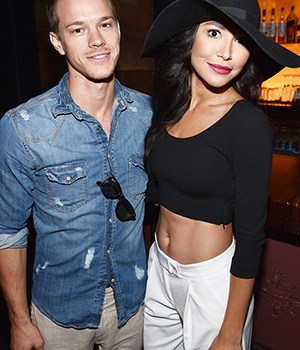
73, 157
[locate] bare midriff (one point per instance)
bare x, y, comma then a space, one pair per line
190, 241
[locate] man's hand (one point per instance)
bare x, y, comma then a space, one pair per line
26, 337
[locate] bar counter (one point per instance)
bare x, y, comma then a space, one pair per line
277, 290
284, 199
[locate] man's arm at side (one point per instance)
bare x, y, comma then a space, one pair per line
24, 335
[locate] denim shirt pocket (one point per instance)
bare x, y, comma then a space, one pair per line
137, 176
67, 186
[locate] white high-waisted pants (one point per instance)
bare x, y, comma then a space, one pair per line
185, 304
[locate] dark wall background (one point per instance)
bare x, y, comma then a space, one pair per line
159, 5
20, 68
20, 79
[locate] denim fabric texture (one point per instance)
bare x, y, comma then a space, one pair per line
52, 155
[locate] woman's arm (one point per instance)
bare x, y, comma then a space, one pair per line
230, 335
251, 162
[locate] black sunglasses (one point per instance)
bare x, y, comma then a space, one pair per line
111, 189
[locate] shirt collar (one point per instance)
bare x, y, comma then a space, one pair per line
66, 104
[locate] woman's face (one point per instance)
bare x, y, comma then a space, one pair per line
218, 55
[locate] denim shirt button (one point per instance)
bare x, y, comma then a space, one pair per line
68, 178
110, 220
108, 251
113, 280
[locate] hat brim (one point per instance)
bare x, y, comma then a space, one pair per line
268, 55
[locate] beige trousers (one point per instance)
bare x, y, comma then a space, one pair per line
107, 336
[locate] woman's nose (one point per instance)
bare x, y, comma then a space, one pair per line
225, 51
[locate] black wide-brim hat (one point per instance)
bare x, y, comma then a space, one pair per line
268, 55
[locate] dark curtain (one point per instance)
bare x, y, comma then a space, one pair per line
20, 69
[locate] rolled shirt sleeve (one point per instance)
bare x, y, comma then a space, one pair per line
16, 186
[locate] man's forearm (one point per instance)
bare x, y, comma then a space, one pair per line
13, 283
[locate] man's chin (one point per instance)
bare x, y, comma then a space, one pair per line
105, 79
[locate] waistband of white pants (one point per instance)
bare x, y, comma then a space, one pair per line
200, 269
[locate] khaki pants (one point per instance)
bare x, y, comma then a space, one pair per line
107, 336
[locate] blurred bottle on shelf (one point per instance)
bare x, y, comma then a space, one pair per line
288, 93
263, 25
287, 89
298, 31
296, 100
281, 37
272, 26
291, 26
263, 93
286, 139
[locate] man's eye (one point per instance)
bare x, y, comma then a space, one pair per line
106, 25
77, 30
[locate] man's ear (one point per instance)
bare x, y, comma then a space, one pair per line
55, 41
119, 29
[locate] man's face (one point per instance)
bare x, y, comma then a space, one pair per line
89, 37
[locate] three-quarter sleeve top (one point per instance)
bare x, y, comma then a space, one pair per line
221, 175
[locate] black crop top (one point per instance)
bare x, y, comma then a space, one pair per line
221, 175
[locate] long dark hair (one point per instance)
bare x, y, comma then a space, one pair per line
172, 85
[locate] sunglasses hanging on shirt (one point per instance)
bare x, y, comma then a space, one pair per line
111, 189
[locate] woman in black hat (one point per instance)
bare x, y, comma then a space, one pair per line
208, 153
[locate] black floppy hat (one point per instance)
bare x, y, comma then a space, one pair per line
268, 55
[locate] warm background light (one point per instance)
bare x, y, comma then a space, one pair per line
281, 78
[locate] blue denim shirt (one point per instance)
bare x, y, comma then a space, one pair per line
52, 154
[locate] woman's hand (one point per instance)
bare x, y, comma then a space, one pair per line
223, 343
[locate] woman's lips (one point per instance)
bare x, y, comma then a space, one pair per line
220, 69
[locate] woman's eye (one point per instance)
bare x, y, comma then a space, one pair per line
213, 33
241, 40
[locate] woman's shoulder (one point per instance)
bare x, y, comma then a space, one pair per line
248, 124
247, 107
246, 113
